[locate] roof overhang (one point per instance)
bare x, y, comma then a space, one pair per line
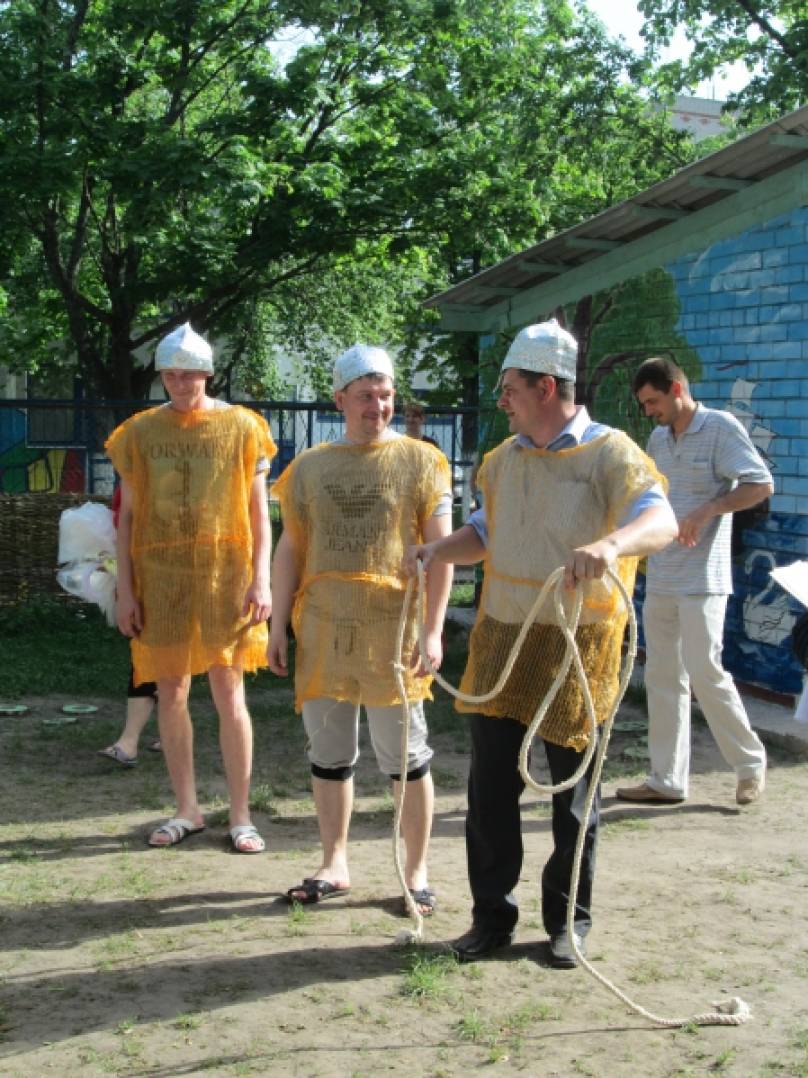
753, 180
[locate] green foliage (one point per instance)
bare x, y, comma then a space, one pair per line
626, 325
174, 161
769, 36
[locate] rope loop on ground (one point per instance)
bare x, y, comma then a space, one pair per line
733, 1012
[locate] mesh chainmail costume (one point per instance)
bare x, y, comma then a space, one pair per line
191, 474
540, 505
351, 511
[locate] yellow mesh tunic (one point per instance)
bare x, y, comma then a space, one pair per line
540, 505
351, 511
190, 474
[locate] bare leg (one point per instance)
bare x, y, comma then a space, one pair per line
416, 827
334, 804
138, 712
177, 737
235, 738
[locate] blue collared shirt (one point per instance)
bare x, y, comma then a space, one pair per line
580, 430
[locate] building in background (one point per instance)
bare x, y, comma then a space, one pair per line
709, 267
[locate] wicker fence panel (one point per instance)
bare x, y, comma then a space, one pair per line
29, 541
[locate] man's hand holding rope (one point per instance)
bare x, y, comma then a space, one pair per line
590, 562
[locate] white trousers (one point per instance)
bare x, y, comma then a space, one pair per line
684, 641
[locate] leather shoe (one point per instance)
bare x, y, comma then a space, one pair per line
562, 955
749, 790
647, 794
480, 942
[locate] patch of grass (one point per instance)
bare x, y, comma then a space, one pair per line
723, 1060
24, 856
531, 1013
462, 595
127, 879
347, 1010
427, 976
262, 799
116, 949
218, 814
187, 1022
713, 973
5, 1024
472, 1027
741, 875
447, 780
649, 972
297, 919
626, 824
133, 1048
84, 655
385, 806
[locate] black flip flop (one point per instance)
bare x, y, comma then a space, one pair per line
313, 891
425, 897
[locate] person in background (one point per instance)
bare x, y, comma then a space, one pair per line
414, 418
713, 470
140, 699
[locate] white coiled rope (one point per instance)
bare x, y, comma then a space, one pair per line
733, 1012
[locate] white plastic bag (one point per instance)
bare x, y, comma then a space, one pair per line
86, 533
92, 581
87, 554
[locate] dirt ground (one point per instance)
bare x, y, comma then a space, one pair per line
122, 960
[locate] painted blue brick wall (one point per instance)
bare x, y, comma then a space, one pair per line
744, 309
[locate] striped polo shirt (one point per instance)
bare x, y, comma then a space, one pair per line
706, 461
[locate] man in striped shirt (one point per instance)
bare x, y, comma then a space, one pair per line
713, 471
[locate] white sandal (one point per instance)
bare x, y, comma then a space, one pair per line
243, 833
177, 829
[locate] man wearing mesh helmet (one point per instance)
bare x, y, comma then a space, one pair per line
562, 491
193, 569
350, 508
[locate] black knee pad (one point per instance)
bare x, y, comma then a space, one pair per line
333, 774
415, 774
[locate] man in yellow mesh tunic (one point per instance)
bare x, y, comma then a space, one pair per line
564, 491
350, 508
193, 569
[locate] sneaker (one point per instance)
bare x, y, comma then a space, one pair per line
749, 790
647, 794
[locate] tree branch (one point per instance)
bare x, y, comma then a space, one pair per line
771, 31
71, 42
79, 231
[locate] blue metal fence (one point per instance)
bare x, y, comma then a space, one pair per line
49, 446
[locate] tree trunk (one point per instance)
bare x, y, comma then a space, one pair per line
468, 351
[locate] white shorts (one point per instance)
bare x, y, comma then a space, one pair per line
332, 727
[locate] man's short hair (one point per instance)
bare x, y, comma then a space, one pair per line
564, 388
659, 373
416, 407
